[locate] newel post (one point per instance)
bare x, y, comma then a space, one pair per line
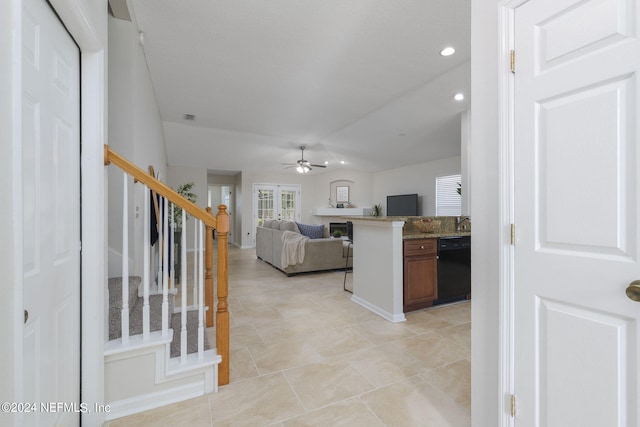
222, 315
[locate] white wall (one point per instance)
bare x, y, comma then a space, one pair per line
121, 136
484, 205
135, 131
359, 183
420, 179
324, 187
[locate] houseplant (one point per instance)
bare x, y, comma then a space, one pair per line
185, 191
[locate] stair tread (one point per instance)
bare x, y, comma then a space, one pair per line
115, 291
135, 315
192, 333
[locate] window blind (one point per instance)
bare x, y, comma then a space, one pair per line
448, 201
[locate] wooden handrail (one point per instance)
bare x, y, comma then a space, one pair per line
164, 190
221, 224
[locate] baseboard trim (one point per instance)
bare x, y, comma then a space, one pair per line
134, 405
393, 318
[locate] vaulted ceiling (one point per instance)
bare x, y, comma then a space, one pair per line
359, 81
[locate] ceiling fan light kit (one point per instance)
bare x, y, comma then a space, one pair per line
302, 165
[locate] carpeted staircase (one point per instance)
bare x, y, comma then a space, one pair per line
155, 304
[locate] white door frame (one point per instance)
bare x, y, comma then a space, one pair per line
276, 201
86, 21
506, 100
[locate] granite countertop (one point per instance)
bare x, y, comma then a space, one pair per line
447, 228
436, 235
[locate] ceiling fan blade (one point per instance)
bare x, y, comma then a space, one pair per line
303, 163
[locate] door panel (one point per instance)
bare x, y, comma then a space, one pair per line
288, 204
573, 331
588, 197
273, 201
576, 212
602, 22
51, 214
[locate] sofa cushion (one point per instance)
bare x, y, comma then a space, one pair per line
289, 226
311, 231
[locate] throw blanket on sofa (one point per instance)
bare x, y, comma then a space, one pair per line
292, 248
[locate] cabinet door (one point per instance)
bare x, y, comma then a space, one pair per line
420, 282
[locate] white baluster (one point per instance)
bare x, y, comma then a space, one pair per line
200, 293
165, 269
159, 244
183, 290
146, 261
195, 261
172, 254
124, 314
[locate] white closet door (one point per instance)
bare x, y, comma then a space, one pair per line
51, 209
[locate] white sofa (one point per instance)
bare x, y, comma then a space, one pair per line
320, 254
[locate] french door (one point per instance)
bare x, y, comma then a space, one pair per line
275, 201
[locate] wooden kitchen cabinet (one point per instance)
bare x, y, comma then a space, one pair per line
420, 271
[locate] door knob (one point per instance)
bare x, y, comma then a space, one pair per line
633, 290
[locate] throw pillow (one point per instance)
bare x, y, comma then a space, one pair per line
289, 226
266, 223
275, 224
311, 231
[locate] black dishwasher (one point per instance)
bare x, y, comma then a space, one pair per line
454, 269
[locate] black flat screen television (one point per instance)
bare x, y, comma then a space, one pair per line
402, 205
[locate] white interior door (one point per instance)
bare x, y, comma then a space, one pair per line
577, 201
227, 199
51, 210
222, 194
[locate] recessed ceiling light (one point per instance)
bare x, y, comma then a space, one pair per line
458, 96
447, 51
342, 162
326, 162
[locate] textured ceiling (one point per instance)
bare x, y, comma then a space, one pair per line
354, 80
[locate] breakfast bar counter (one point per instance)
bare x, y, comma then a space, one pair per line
378, 260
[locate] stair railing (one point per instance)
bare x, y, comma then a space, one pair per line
203, 292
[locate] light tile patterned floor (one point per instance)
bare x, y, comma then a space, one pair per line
303, 354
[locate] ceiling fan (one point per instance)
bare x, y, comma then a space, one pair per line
302, 165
